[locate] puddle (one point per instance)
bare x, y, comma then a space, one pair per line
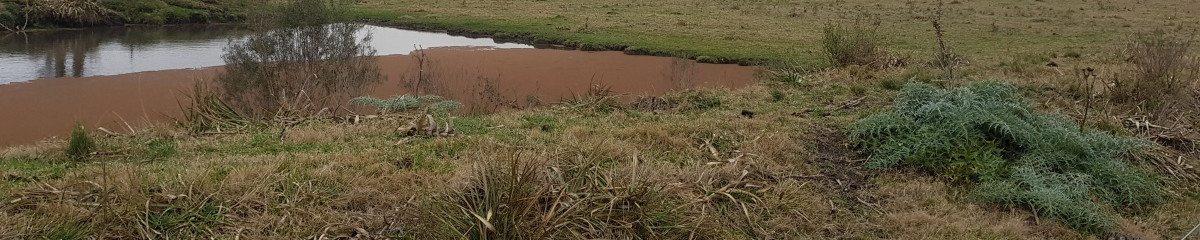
485, 79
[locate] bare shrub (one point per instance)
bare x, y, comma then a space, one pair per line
298, 70
945, 59
856, 44
1162, 72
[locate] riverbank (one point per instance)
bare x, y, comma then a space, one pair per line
771, 160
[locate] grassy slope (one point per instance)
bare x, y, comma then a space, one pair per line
328, 178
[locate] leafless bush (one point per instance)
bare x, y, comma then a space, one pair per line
1163, 73
1162, 90
298, 70
853, 45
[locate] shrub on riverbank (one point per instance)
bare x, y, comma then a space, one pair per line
987, 136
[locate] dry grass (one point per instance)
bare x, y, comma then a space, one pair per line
723, 181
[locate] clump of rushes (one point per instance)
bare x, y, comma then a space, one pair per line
986, 137
536, 198
208, 113
80, 145
857, 44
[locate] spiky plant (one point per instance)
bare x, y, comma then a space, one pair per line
988, 138
80, 144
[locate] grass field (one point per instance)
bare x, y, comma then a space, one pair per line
695, 168
987, 32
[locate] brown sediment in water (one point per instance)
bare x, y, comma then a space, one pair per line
482, 79
50, 107
485, 80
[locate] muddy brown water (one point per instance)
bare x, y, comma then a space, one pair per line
485, 79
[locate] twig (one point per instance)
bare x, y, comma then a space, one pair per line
944, 57
1087, 75
1189, 234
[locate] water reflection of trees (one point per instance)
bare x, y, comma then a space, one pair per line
65, 53
298, 70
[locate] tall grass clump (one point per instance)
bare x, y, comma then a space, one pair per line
856, 44
80, 145
208, 113
985, 136
521, 198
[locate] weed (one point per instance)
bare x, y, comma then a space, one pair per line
891, 83
704, 101
598, 99
985, 134
854, 45
523, 198
471, 125
80, 145
777, 95
67, 231
23, 169
653, 103
858, 90
545, 123
158, 149
185, 220
788, 73
207, 112
1162, 71
945, 59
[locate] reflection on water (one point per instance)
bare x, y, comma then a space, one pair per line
120, 50
111, 50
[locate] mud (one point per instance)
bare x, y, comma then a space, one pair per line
483, 79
